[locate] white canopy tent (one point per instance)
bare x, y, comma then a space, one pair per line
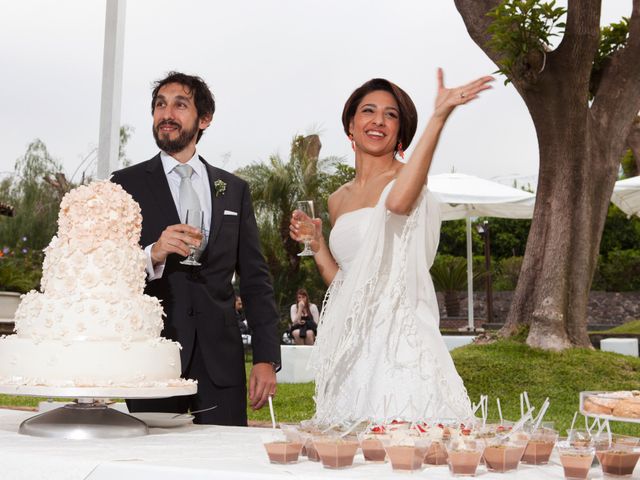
626, 195
465, 196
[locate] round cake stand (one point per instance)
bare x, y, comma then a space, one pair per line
89, 417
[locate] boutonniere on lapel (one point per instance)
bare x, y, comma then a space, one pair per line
219, 187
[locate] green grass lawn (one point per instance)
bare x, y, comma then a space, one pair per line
629, 327
506, 368
502, 369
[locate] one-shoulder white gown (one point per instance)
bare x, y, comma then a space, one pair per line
379, 353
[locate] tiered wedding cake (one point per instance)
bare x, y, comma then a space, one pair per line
92, 326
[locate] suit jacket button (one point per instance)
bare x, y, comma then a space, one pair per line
190, 312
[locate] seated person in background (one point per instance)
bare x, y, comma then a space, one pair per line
242, 320
304, 319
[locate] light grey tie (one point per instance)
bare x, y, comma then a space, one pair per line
188, 197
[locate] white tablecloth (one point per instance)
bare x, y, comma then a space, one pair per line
192, 452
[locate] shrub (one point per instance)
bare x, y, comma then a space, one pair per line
618, 271
20, 268
507, 273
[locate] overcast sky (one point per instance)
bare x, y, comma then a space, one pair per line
277, 68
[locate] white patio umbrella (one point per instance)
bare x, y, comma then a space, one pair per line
466, 196
626, 195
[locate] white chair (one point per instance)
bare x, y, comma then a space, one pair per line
294, 362
625, 346
455, 341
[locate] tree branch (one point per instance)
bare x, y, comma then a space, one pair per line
474, 15
623, 98
580, 42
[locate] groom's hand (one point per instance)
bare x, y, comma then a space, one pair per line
262, 383
175, 239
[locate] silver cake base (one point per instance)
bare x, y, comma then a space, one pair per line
79, 421
90, 417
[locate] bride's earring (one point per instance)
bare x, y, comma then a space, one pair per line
353, 143
400, 150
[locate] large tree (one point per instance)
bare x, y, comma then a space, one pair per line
582, 135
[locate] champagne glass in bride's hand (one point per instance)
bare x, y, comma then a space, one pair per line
306, 227
194, 218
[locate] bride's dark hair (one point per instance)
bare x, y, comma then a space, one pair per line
408, 113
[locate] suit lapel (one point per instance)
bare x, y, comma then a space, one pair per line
159, 186
217, 204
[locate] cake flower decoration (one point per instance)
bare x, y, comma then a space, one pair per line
219, 186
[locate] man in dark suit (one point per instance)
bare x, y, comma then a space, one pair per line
199, 301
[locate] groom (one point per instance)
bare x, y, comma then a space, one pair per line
199, 301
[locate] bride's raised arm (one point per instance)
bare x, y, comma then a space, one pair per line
413, 175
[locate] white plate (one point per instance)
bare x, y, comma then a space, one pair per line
163, 419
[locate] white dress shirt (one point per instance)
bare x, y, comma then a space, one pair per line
200, 182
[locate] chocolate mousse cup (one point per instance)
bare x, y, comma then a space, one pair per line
540, 446
406, 452
335, 452
283, 451
504, 455
406, 457
437, 454
463, 456
618, 461
372, 448
576, 461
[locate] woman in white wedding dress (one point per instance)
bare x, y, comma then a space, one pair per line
379, 353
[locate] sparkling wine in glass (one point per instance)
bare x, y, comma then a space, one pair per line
307, 228
194, 218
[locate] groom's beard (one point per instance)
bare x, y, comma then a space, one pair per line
169, 146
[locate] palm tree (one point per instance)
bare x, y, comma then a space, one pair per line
276, 186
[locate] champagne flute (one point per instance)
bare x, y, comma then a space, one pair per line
307, 228
194, 218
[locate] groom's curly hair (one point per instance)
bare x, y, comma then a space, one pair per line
202, 96
408, 113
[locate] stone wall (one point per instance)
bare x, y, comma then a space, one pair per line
606, 309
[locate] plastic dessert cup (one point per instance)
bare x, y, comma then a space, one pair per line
372, 448
539, 447
576, 461
436, 454
406, 452
307, 429
579, 437
334, 451
504, 454
618, 460
464, 455
280, 449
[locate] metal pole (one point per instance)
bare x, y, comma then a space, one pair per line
109, 139
487, 263
470, 326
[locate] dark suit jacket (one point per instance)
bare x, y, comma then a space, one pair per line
202, 298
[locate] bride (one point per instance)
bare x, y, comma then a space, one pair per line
379, 353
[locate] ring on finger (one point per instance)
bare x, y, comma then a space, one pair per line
462, 95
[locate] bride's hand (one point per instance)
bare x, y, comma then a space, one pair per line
296, 217
448, 99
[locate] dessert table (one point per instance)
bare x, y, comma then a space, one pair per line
195, 452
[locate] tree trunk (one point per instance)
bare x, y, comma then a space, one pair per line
633, 141
574, 189
580, 145
452, 303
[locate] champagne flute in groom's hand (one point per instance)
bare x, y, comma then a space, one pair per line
194, 218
